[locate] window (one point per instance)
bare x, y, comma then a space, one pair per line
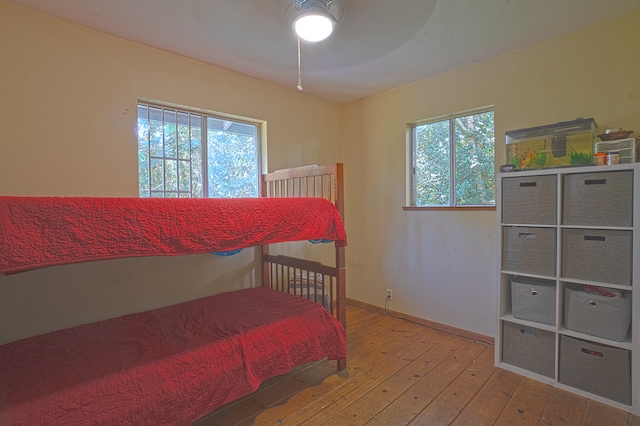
453, 161
190, 154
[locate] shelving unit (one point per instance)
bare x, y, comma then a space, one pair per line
567, 235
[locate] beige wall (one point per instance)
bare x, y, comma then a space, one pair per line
68, 117
442, 265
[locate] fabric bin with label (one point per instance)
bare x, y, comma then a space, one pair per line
597, 315
529, 200
533, 300
597, 255
599, 369
529, 348
598, 199
529, 250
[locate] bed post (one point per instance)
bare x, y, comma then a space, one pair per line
340, 258
341, 296
266, 274
316, 181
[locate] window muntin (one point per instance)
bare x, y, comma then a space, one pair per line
189, 154
453, 161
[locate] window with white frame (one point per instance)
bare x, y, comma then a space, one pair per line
190, 154
453, 161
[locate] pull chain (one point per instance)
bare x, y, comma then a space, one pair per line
299, 77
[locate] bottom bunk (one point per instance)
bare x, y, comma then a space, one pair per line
167, 366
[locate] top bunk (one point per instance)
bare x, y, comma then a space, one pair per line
297, 204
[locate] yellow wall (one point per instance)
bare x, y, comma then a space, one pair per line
67, 109
442, 265
68, 102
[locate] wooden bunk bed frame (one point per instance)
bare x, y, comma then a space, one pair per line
37, 379
326, 181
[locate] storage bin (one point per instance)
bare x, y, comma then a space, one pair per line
599, 369
529, 250
597, 255
533, 300
598, 199
529, 200
597, 315
529, 348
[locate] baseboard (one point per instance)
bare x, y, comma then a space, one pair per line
431, 324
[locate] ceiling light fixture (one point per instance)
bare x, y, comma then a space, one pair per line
314, 22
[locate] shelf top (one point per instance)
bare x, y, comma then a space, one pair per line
570, 170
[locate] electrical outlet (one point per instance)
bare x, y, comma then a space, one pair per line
389, 294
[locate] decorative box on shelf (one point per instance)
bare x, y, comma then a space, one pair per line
627, 148
567, 143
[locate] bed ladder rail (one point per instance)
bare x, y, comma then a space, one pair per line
300, 276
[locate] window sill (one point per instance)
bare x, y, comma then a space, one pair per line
458, 208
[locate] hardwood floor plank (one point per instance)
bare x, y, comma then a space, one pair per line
485, 407
527, 404
388, 364
599, 414
358, 317
457, 395
410, 403
634, 420
386, 391
563, 408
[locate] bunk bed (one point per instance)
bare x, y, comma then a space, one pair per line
176, 364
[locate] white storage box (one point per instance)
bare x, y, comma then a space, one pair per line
533, 300
597, 315
627, 148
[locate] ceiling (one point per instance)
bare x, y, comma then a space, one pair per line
377, 45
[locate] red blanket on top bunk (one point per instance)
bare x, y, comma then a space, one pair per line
45, 231
167, 366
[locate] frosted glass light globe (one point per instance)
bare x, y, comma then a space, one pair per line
314, 26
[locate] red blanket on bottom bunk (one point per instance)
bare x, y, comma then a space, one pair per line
167, 366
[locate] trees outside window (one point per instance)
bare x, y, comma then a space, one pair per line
453, 161
189, 154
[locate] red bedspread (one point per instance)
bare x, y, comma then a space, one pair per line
167, 366
44, 231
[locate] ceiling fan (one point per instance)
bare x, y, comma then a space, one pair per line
314, 22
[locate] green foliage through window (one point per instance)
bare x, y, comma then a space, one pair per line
186, 154
453, 161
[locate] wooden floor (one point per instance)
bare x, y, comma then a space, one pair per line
401, 373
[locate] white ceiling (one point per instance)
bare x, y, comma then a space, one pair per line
377, 45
